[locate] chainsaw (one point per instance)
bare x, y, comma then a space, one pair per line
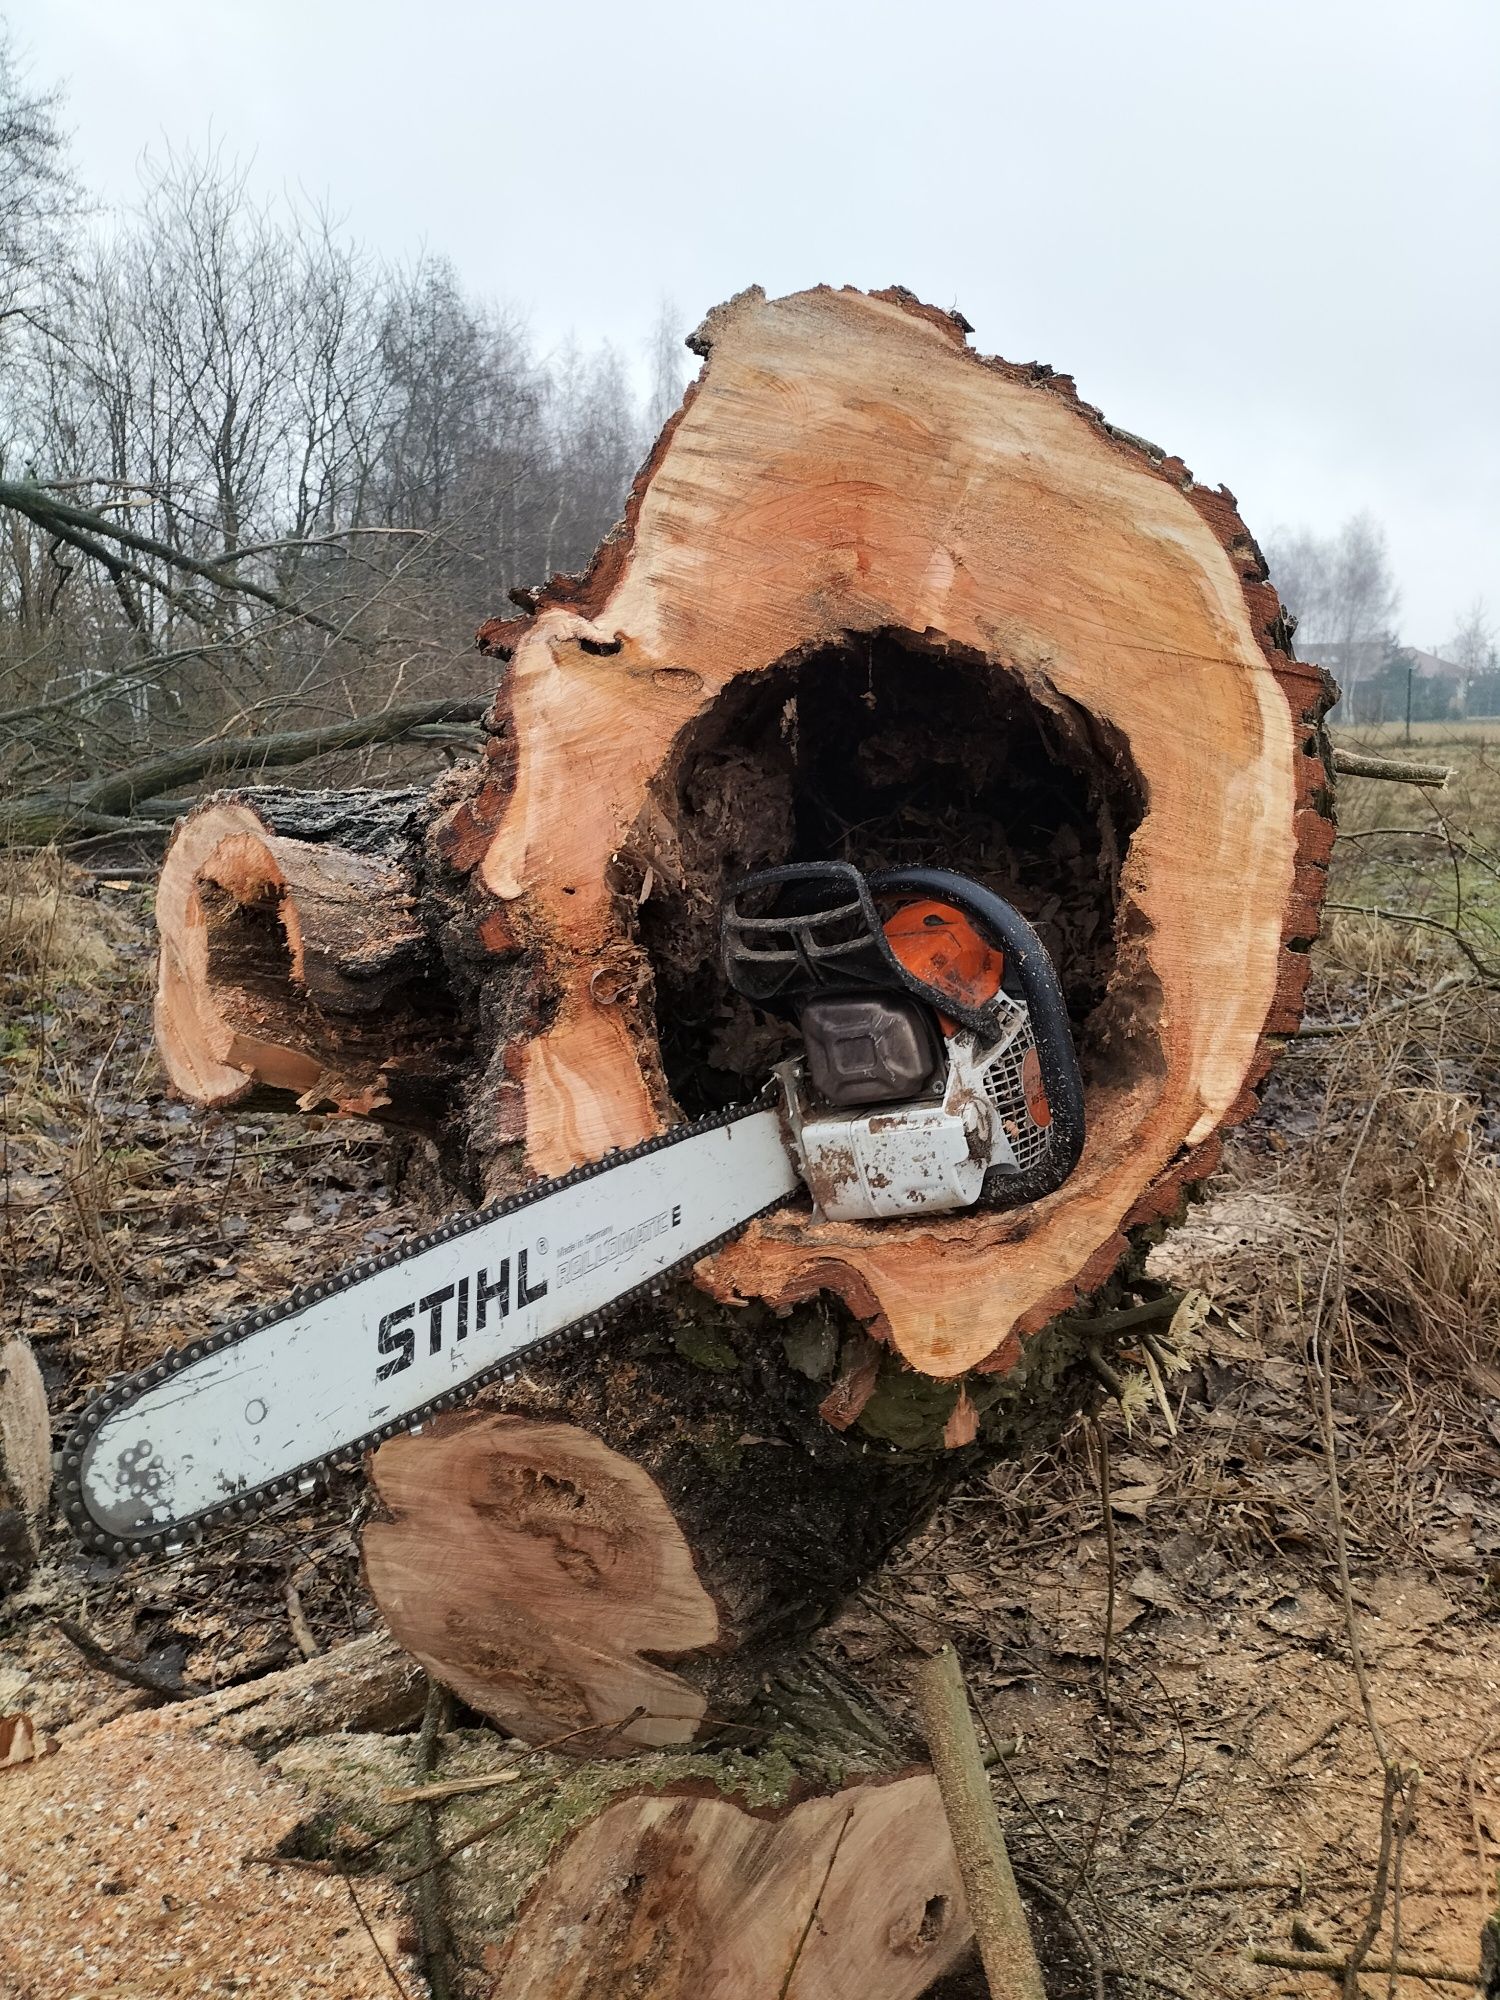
936, 1072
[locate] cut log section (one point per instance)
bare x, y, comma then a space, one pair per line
628, 1555
542, 1577
874, 599
878, 599
294, 969
853, 1897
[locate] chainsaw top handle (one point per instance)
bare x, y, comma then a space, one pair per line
1027, 960
826, 935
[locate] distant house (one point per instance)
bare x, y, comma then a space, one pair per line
1432, 666
1372, 673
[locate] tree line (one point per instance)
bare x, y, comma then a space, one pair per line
1341, 590
254, 482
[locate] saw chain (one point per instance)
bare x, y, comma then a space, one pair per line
304, 1478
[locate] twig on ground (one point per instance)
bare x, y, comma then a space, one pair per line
1321, 1030
1040, 1887
390, 1971
435, 1717
156, 1681
296, 1618
1489, 973
995, 1907
1110, 1377
1330, 1961
1413, 1779
452, 1788
1101, 1440
1361, 1951
469, 1840
1312, 1743
812, 1915
1127, 1318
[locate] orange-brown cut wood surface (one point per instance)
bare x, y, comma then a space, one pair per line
847, 472
852, 1897
543, 1577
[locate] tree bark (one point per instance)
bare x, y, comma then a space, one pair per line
295, 969
873, 599
25, 1459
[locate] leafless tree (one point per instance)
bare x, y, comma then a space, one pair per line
1342, 592
1472, 646
666, 358
271, 487
38, 193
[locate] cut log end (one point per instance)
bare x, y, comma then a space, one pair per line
852, 1897
879, 600
543, 1577
294, 968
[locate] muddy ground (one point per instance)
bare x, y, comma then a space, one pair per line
1151, 1618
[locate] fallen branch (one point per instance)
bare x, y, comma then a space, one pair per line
104, 804
452, 1788
1316, 1030
995, 1907
1355, 764
1489, 973
1127, 1318
85, 530
429, 1890
1337, 1966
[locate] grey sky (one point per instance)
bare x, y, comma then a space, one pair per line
1267, 237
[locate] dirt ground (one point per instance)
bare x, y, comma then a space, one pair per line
1182, 1753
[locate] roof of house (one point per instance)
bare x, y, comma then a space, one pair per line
1435, 667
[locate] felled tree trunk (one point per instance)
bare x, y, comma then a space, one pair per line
295, 971
874, 599
851, 1897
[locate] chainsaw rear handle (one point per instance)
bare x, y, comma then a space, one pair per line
1026, 957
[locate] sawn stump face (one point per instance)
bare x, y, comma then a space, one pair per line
851, 497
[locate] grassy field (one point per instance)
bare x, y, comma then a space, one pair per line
1381, 735
1434, 854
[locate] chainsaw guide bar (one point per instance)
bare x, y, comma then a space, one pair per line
141, 1518
938, 1071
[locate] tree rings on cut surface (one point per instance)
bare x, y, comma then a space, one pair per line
876, 597
543, 1578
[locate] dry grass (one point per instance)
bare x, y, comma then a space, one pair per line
50, 932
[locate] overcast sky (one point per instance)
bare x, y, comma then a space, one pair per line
1267, 237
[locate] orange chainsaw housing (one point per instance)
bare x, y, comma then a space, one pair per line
938, 944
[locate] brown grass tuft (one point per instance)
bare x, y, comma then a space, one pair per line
50, 932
